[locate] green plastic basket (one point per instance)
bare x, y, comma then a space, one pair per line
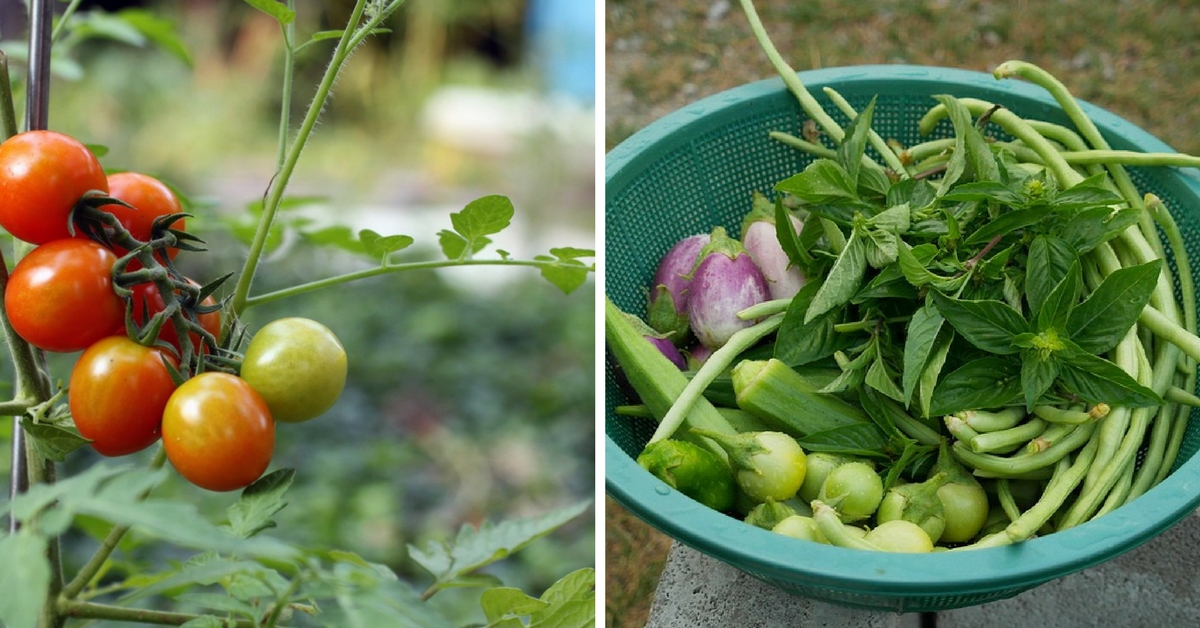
696, 168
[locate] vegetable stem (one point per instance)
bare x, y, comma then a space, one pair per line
720, 360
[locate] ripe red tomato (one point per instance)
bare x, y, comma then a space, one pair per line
43, 175
151, 197
147, 295
118, 391
60, 296
217, 432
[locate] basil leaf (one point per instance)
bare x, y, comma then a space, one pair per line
888, 283
1097, 380
988, 382
915, 272
863, 439
1086, 193
1061, 301
1091, 227
933, 369
916, 193
881, 247
989, 325
1099, 323
895, 219
879, 377
824, 181
843, 279
798, 342
985, 191
919, 338
1006, 223
1037, 376
854, 143
1049, 260
789, 240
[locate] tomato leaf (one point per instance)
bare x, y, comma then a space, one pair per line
454, 246
381, 247
259, 502
54, 442
275, 9
572, 601
484, 216
501, 602
25, 570
372, 595
339, 236
157, 29
474, 548
567, 272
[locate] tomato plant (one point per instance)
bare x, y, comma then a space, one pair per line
218, 432
60, 297
161, 358
119, 390
43, 175
298, 366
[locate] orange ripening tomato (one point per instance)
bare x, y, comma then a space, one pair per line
146, 297
217, 432
151, 198
60, 296
43, 175
117, 394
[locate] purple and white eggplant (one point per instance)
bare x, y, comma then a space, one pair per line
725, 282
784, 279
668, 303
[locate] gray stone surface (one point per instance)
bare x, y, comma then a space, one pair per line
1157, 584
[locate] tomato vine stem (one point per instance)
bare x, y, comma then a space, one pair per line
354, 34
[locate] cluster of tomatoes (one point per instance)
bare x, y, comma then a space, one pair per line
127, 388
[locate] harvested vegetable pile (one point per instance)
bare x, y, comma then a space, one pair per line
976, 341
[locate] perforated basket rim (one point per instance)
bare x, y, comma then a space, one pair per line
962, 573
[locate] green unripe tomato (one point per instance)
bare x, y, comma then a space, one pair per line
298, 367
776, 472
819, 465
966, 510
800, 527
854, 489
899, 535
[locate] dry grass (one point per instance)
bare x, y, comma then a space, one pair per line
1139, 59
629, 582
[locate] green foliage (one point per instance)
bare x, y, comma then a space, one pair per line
236, 574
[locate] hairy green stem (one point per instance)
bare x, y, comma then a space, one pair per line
108, 545
92, 610
8, 112
64, 18
390, 268
279, 185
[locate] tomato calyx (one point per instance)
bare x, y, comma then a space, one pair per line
183, 301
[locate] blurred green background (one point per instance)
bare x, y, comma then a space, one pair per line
1139, 59
471, 391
